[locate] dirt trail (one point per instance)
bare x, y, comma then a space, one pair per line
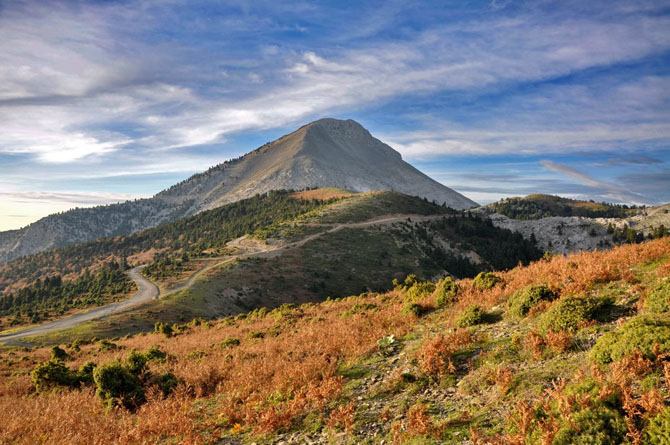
149, 290
146, 292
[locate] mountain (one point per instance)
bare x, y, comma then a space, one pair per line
324, 153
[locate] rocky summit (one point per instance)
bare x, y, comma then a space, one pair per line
324, 153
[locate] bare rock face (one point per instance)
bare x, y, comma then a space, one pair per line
324, 153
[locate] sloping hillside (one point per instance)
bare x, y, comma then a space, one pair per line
325, 153
567, 350
542, 206
312, 236
566, 225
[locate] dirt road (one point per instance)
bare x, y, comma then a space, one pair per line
147, 291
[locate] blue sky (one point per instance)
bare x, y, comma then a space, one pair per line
112, 100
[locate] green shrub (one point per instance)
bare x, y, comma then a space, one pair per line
115, 384
486, 280
597, 425
420, 290
229, 343
413, 308
640, 333
163, 328
567, 313
85, 373
658, 300
414, 288
166, 382
155, 354
658, 431
527, 298
51, 374
57, 353
446, 292
471, 316
136, 362
106, 345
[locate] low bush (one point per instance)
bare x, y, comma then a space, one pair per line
471, 316
414, 309
445, 292
413, 288
486, 280
115, 384
527, 298
658, 300
596, 425
163, 328
658, 431
642, 333
51, 374
568, 313
85, 373
58, 353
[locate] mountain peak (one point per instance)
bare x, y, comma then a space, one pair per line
324, 153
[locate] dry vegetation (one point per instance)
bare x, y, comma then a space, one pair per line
285, 373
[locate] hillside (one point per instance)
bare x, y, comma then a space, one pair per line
325, 153
571, 349
379, 235
566, 225
543, 206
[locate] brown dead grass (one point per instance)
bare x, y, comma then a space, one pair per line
268, 383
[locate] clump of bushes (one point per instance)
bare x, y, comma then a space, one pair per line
486, 280
596, 425
116, 383
163, 328
642, 333
50, 374
568, 313
54, 373
658, 300
413, 288
445, 292
471, 316
527, 298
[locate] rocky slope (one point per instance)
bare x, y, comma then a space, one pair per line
325, 153
565, 225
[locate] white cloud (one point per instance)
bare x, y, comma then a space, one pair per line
77, 63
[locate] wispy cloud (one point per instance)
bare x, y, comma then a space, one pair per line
115, 89
614, 191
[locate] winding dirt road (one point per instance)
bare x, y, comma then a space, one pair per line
148, 290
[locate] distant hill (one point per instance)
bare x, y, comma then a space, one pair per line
542, 206
567, 225
325, 153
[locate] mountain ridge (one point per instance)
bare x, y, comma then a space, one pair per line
324, 153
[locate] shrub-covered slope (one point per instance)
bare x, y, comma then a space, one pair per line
587, 362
